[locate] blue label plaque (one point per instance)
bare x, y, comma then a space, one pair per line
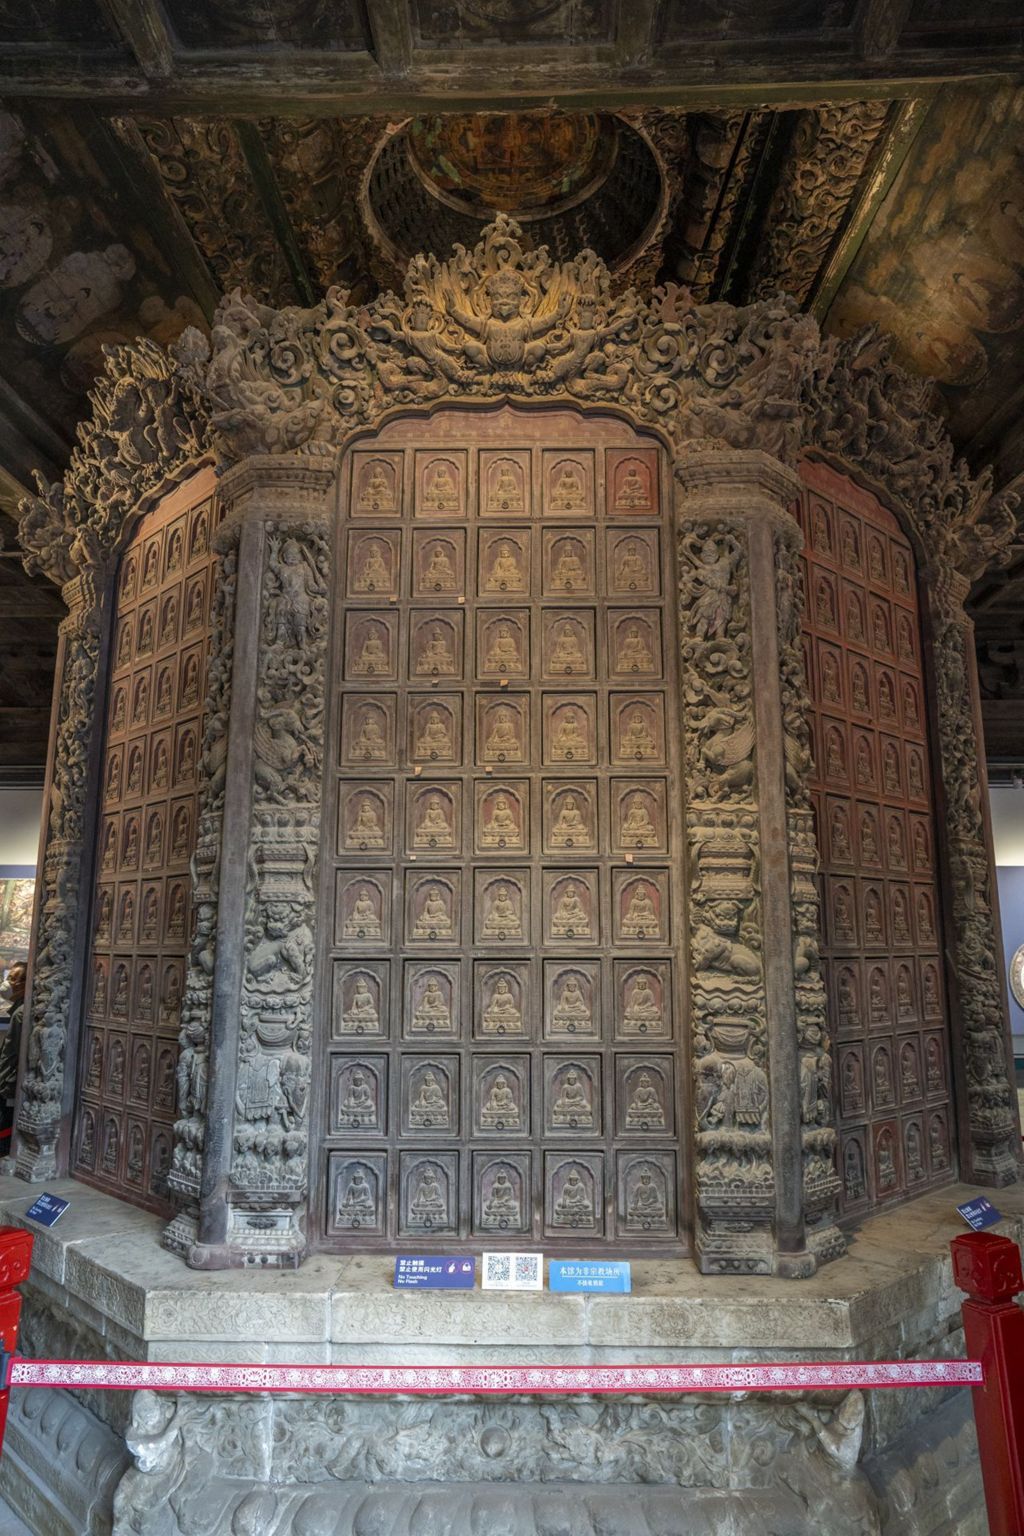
434, 1274
589, 1275
47, 1209
979, 1213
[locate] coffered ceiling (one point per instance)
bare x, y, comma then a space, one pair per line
865, 155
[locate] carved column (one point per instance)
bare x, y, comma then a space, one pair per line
253, 1185
197, 1000
46, 1088
990, 1127
761, 1067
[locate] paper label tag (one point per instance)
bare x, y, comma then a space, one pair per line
513, 1272
437, 1273
587, 1275
47, 1209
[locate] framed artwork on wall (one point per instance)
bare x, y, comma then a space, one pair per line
16, 894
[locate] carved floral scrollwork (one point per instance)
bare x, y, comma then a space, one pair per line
269, 1163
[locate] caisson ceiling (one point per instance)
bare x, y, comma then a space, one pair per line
864, 155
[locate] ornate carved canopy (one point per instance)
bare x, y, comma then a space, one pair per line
506, 322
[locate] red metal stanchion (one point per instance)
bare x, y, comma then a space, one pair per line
988, 1268
15, 1259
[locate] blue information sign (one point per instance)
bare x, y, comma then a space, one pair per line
588, 1275
434, 1274
47, 1209
979, 1213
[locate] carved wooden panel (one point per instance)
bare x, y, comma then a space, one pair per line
142, 923
500, 1007
876, 832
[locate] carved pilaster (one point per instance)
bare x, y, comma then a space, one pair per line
63, 893
254, 1177
197, 1000
992, 1127
761, 1069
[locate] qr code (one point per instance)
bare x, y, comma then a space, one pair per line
514, 1271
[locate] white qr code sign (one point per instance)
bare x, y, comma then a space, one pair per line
513, 1272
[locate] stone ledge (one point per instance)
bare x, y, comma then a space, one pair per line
107, 1255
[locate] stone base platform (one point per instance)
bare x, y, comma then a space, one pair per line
888, 1463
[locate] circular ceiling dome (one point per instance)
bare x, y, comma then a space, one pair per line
572, 179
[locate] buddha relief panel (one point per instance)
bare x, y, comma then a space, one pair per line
503, 1000
434, 818
502, 1193
633, 563
438, 562
365, 817
435, 645
503, 563
374, 566
430, 1095
503, 645
376, 485
567, 645
433, 908
503, 839
876, 832
502, 728
142, 926
568, 561
570, 729
502, 819
359, 1095
440, 484
433, 997
429, 1192
505, 483
356, 1190
372, 645
572, 1000
435, 729
568, 483
632, 482
639, 816
570, 816
572, 1095
360, 1000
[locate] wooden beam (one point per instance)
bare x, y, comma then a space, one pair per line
446, 80
734, 267
636, 26
133, 166
903, 128
30, 603
391, 33
265, 182
142, 26
879, 25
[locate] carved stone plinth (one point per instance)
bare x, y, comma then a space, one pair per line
761, 1065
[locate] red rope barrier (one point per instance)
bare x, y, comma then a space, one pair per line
430, 1380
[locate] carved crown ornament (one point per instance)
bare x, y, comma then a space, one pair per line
504, 322
148, 425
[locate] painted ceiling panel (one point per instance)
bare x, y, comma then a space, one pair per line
942, 267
